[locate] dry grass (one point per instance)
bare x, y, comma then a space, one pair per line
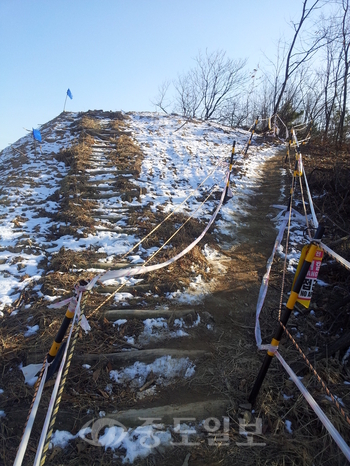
77, 156
90, 123
118, 125
128, 155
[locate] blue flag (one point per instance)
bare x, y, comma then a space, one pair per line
69, 94
36, 135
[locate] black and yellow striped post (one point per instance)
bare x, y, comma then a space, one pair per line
63, 382
297, 172
288, 151
62, 331
299, 279
227, 197
54, 352
251, 136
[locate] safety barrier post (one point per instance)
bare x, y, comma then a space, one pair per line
288, 151
251, 136
60, 334
227, 197
299, 279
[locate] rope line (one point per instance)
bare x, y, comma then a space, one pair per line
318, 377
318, 411
36, 389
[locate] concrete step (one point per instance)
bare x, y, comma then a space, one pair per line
146, 356
98, 161
200, 411
102, 170
115, 314
106, 266
103, 146
125, 289
102, 188
95, 183
93, 197
123, 230
108, 217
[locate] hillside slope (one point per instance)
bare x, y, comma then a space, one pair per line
106, 191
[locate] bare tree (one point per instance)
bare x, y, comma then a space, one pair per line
188, 98
345, 35
207, 88
295, 58
331, 76
160, 100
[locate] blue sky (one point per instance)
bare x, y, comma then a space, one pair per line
113, 54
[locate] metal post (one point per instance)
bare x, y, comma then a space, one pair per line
288, 151
251, 136
55, 353
226, 198
286, 314
64, 107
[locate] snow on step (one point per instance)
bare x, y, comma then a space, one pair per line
97, 181
101, 170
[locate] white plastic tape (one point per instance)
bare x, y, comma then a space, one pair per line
310, 201
335, 256
25, 439
320, 414
265, 282
131, 271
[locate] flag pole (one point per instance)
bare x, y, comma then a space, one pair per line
64, 107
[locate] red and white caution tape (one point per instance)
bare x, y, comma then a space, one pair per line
320, 414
